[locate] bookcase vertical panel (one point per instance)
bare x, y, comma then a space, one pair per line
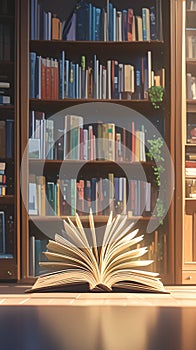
9, 142
41, 69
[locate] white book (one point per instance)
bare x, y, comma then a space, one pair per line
132, 78
34, 148
109, 92
133, 30
85, 144
139, 28
114, 24
149, 69
119, 26
4, 85
33, 209
100, 81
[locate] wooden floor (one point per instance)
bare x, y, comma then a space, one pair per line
97, 321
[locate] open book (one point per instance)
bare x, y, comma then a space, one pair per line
79, 265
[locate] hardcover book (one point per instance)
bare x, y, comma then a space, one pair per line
77, 263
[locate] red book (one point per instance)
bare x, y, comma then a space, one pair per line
48, 79
133, 140
43, 75
130, 24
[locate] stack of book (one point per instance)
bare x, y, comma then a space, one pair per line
7, 138
190, 168
2, 179
5, 99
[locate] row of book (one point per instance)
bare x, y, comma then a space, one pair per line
191, 5
52, 78
157, 251
6, 40
190, 86
68, 196
6, 7
2, 179
191, 45
190, 188
78, 141
190, 168
5, 95
6, 235
7, 138
89, 22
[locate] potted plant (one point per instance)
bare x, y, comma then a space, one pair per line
155, 94
155, 154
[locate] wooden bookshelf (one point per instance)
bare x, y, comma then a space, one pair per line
10, 202
185, 204
163, 118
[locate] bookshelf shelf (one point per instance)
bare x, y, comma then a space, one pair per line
187, 209
7, 199
46, 47
85, 219
7, 18
54, 106
191, 106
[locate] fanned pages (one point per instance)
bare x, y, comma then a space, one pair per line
75, 263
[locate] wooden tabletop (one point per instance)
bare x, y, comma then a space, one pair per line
97, 321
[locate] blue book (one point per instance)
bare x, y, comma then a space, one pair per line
138, 79
50, 194
124, 25
45, 25
62, 76
93, 22
32, 20
71, 35
82, 16
66, 82
38, 77
32, 61
93, 194
116, 191
9, 138
97, 23
102, 22
90, 19
2, 233
37, 256
153, 24
144, 23
73, 197
111, 34
36, 19
114, 24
